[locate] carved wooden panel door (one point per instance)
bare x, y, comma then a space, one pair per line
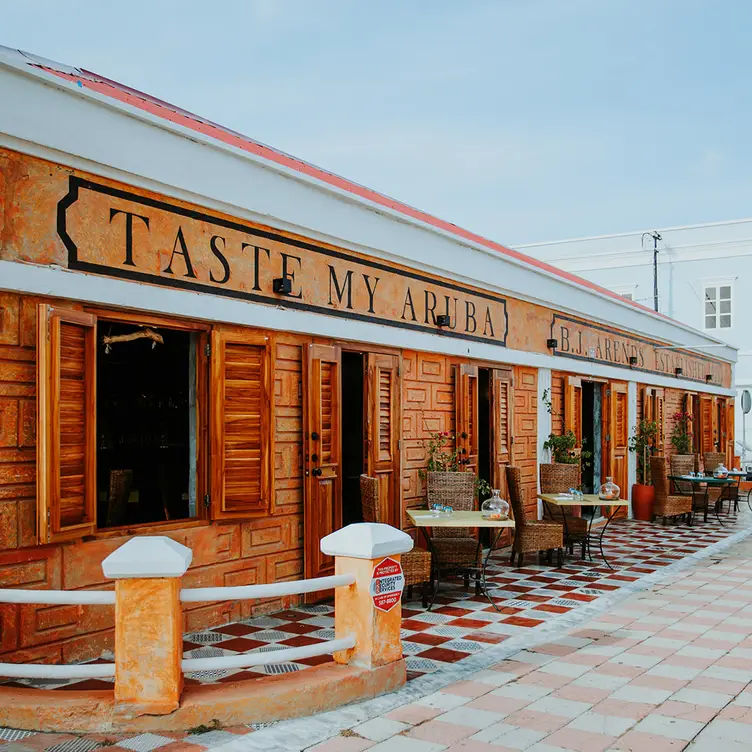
466, 407
689, 409
617, 436
502, 426
383, 432
322, 509
730, 444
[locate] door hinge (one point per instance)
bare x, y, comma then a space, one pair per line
608, 437
399, 443
207, 349
207, 500
399, 371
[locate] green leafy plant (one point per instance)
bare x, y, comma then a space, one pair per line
444, 456
681, 438
563, 448
642, 443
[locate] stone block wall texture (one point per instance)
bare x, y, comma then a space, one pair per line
267, 549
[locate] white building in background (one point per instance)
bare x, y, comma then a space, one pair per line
704, 280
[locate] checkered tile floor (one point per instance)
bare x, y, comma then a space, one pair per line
459, 624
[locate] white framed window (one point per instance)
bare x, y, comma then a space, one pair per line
717, 306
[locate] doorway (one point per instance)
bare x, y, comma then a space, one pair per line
353, 435
592, 441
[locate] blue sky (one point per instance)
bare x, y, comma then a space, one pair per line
524, 120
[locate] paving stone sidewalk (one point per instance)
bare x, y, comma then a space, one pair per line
666, 669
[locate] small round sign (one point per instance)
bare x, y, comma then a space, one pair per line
746, 401
387, 584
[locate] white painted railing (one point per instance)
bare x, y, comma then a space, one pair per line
285, 655
59, 597
273, 590
47, 671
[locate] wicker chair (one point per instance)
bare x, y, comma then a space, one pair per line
667, 505
559, 478
456, 548
416, 564
683, 464
710, 461
531, 536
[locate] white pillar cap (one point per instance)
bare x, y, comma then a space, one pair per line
148, 556
366, 540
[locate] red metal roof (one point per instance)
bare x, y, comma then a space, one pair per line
166, 111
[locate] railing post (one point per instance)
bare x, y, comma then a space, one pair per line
370, 609
148, 624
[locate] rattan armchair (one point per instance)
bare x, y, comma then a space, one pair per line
531, 536
557, 478
456, 548
710, 461
683, 464
666, 504
416, 564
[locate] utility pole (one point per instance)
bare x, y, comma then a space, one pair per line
656, 237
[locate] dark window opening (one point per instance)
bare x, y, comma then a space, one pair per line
146, 427
592, 437
353, 436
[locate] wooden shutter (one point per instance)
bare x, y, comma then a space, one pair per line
659, 401
241, 425
617, 436
502, 426
729, 418
573, 407
66, 424
689, 408
648, 404
322, 508
707, 423
383, 431
466, 414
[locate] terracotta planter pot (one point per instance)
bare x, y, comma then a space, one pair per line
643, 498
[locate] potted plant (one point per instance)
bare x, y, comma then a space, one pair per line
445, 469
681, 439
642, 443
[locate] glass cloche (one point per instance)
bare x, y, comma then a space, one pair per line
495, 508
720, 471
609, 491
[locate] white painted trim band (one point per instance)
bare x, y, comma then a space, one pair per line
62, 283
272, 590
45, 671
59, 597
287, 655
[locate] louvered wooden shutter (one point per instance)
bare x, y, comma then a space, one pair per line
466, 415
707, 428
502, 399
689, 408
618, 436
660, 420
241, 425
383, 423
573, 407
66, 424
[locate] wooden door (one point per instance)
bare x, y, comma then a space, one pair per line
502, 426
707, 428
466, 417
730, 444
725, 428
322, 509
689, 409
653, 410
616, 438
383, 431
573, 407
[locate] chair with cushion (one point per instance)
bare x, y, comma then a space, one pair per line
667, 504
416, 564
531, 536
558, 478
456, 548
716, 496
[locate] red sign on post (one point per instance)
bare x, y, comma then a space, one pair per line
387, 584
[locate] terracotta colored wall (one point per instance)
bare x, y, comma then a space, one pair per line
526, 434
427, 407
263, 550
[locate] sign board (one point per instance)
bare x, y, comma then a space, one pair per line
746, 401
387, 584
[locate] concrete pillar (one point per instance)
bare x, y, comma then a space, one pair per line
148, 624
371, 608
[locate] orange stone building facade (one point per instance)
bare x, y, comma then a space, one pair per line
170, 364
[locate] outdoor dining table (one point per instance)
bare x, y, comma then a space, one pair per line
701, 486
425, 518
586, 500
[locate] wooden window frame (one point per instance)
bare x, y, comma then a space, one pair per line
46, 407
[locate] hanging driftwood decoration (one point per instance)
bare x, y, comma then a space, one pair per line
144, 333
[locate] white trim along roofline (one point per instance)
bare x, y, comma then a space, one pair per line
102, 135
